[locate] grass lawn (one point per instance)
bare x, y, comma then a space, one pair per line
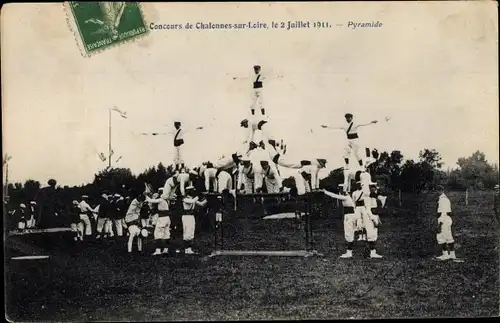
99, 281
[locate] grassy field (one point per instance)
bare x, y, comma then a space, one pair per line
98, 281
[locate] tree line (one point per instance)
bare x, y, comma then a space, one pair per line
391, 170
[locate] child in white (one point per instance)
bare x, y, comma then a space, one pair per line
444, 236
188, 220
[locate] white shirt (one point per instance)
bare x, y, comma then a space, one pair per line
162, 204
364, 197
353, 130
247, 172
169, 189
85, 207
444, 204
180, 135
134, 211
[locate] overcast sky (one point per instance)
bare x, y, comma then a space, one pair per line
431, 67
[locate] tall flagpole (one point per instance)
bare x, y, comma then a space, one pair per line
6, 181
109, 141
6, 164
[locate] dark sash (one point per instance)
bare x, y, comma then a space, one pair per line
258, 83
351, 135
178, 142
360, 202
249, 174
348, 210
276, 158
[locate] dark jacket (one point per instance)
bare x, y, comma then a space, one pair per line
103, 208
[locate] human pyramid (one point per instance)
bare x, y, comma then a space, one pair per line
254, 167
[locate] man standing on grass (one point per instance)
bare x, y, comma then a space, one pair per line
103, 215
47, 201
162, 226
349, 219
189, 202
444, 236
85, 214
370, 223
132, 220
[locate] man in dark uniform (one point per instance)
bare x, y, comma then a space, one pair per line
103, 215
47, 202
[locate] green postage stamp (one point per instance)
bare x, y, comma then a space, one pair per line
100, 25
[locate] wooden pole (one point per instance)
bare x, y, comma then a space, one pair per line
466, 197
399, 198
6, 194
109, 140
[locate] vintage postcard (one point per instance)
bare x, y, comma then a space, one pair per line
250, 161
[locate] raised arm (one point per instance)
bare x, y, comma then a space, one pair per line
335, 196
367, 124
332, 128
154, 201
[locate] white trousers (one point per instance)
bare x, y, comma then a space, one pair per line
368, 223
78, 228
134, 231
179, 155
352, 147
188, 227
30, 223
162, 228
119, 224
349, 226
257, 102
103, 224
86, 221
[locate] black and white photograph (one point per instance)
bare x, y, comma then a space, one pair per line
180, 161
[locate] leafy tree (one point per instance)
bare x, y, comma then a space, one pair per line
31, 189
477, 172
431, 157
333, 180
388, 168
